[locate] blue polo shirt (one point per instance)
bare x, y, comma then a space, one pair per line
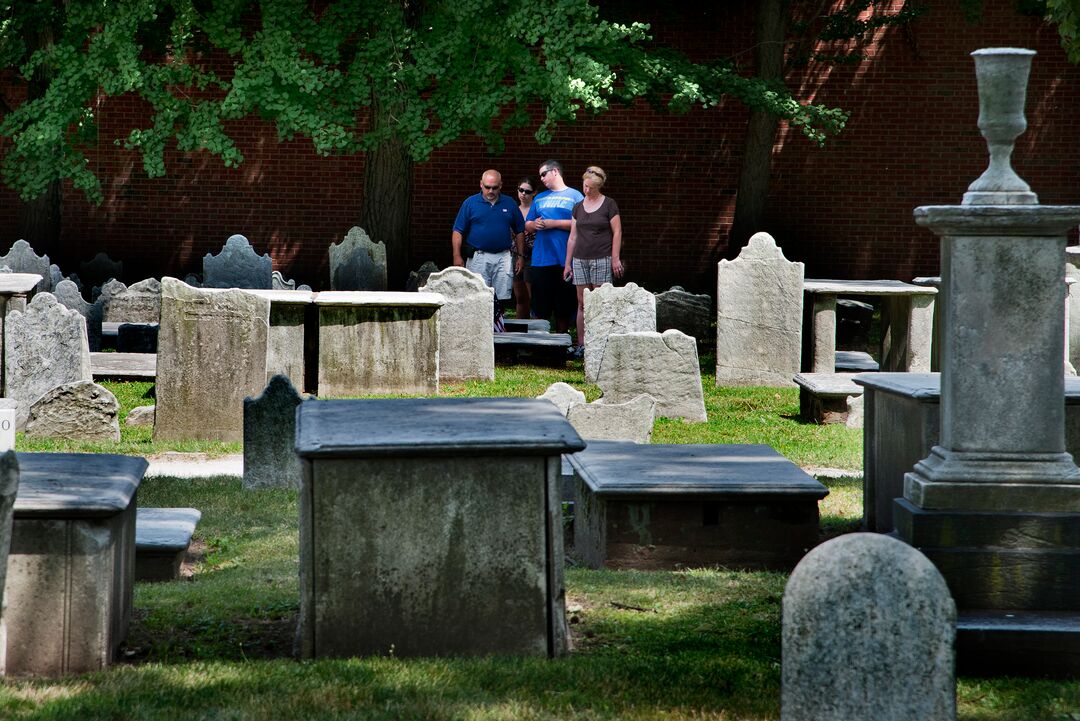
549, 248
489, 226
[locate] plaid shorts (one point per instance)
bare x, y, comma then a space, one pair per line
592, 271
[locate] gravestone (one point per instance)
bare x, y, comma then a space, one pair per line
357, 263
563, 395
82, 411
44, 346
688, 312
68, 295
631, 421
278, 282
106, 293
868, 629
610, 310
99, 269
759, 300
55, 275
466, 340
21, 258
9, 487
237, 266
212, 349
269, 435
140, 416
419, 278
664, 366
138, 303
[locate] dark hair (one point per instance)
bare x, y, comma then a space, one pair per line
549, 164
528, 180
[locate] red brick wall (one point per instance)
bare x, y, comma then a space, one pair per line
844, 210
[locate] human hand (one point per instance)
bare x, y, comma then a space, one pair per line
541, 223
458, 260
519, 265
568, 273
617, 268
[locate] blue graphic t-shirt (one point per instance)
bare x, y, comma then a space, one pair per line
550, 245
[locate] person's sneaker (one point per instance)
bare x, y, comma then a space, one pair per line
577, 352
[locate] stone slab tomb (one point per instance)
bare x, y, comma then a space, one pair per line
431, 526
237, 266
656, 506
357, 263
82, 411
287, 352
162, 538
270, 435
868, 628
21, 258
610, 310
759, 301
44, 346
466, 345
71, 569
664, 366
212, 351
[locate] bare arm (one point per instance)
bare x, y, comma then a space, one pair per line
455, 243
568, 268
616, 246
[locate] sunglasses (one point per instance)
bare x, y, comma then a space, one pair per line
527, 191
492, 187
549, 170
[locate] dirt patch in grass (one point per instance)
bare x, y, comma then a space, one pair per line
241, 638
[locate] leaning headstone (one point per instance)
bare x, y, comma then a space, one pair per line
21, 258
563, 395
466, 342
357, 263
212, 349
237, 266
138, 303
68, 295
278, 282
44, 346
81, 411
610, 310
99, 269
690, 313
269, 437
140, 416
9, 487
664, 366
418, 278
631, 421
868, 629
759, 300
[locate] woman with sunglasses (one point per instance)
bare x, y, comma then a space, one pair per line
523, 278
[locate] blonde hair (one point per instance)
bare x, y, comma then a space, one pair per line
595, 174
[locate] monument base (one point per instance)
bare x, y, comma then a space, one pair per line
1018, 643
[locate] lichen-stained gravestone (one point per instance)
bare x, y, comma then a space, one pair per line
664, 366
868, 629
237, 266
759, 300
212, 348
269, 437
466, 344
21, 258
138, 303
357, 263
610, 310
81, 411
44, 346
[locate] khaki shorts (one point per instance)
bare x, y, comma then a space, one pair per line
497, 270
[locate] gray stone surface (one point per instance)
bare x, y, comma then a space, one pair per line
82, 411
357, 263
124, 365
758, 316
688, 312
631, 421
21, 258
466, 345
162, 537
140, 416
69, 296
212, 353
9, 487
664, 366
138, 303
527, 325
269, 436
237, 266
55, 275
287, 353
563, 395
868, 629
852, 361
278, 282
44, 346
418, 278
856, 413
610, 310
100, 268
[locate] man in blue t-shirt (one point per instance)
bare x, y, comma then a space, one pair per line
549, 217
486, 227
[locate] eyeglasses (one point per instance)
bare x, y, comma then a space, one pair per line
527, 191
492, 187
549, 170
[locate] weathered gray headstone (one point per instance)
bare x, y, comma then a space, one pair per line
212, 347
690, 313
269, 436
357, 263
107, 292
759, 300
466, 344
278, 282
664, 366
82, 410
630, 421
44, 346
868, 629
563, 395
9, 487
55, 275
68, 295
237, 266
193, 280
418, 278
610, 310
21, 258
99, 269
138, 303
140, 416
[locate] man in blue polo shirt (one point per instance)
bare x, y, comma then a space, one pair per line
486, 227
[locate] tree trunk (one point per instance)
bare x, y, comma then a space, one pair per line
387, 206
753, 192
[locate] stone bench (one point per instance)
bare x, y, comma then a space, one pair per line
823, 397
547, 349
654, 506
162, 537
854, 361
137, 366
71, 569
